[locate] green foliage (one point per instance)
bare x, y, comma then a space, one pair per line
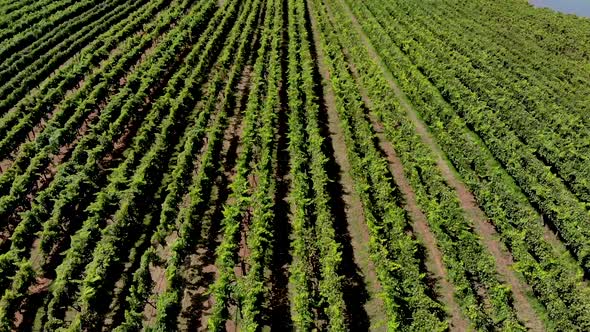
225, 289
313, 224
393, 251
12, 296
515, 219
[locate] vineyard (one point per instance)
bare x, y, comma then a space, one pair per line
308, 165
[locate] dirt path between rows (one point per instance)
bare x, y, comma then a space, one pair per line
420, 225
482, 226
357, 228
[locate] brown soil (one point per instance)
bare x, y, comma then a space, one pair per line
195, 294
158, 274
4, 165
242, 268
482, 225
36, 256
357, 227
21, 319
4, 236
40, 286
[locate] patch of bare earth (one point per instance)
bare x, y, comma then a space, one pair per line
199, 272
357, 228
241, 268
4, 165
482, 225
158, 274
35, 293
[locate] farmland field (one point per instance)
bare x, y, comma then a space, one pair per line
309, 165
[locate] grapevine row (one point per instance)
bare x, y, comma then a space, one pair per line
465, 257
392, 249
542, 187
41, 207
48, 23
552, 278
129, 211
253, 288
190, 216
519, 102
313, 222
225, 288
61, 128
18, 80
